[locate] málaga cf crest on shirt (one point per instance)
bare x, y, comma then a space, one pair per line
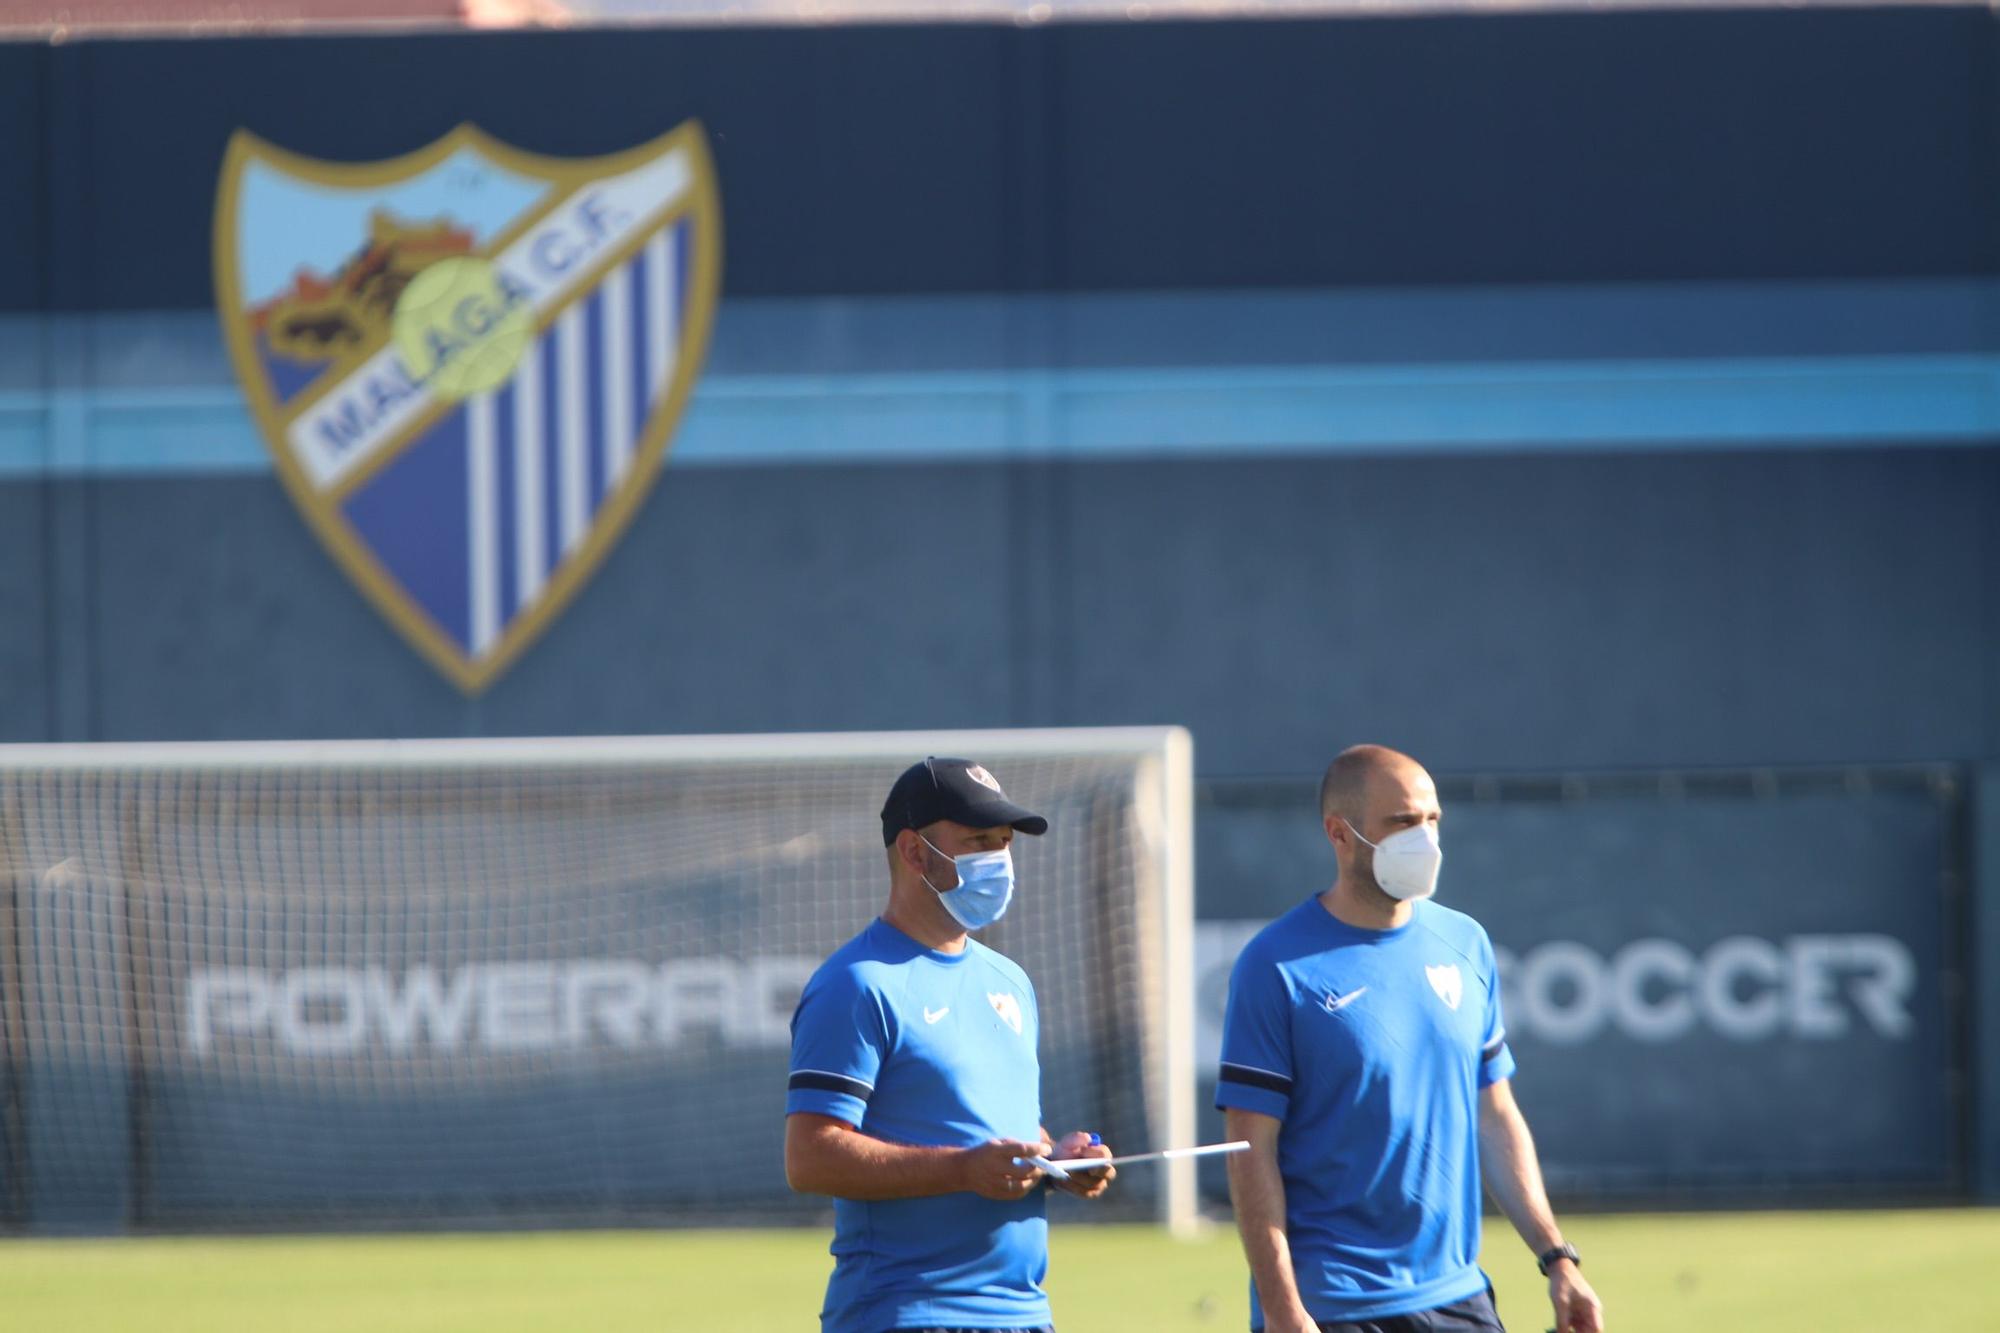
467, 362
1007, 1006
1446, 981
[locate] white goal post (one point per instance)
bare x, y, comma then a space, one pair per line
537, 980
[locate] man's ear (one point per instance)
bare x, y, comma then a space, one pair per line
909, 850
1336, 830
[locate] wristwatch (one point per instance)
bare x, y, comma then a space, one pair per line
1563, 1251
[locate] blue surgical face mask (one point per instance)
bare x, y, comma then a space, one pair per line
985, 886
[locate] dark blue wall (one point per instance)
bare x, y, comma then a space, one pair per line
1494, 613
969, 158
22, 106
1518, 612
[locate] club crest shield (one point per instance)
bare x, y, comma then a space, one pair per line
468, 362
1447, 982
1005, 1005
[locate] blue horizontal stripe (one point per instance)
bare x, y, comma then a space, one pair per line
973, 415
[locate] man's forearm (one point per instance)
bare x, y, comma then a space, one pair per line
1513, 1175
1257, 1191
848, 1164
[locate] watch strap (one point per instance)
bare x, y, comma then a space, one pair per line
1563, 1251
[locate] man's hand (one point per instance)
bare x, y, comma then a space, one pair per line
1577, 1308
989, 1169
1083, 1182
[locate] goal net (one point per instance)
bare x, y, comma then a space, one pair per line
527, 982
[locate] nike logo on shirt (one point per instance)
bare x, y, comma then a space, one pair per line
1336, 1003
933, 1015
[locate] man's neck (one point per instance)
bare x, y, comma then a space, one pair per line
1365, 907
934, 928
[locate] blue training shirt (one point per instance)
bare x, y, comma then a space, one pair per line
920, 1047
1371, 1046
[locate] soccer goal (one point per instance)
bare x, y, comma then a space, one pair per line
527, 981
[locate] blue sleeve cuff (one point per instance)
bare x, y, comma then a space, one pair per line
838, 1105
1248, 1088
1231, 1098
1494, 1067
823, 1092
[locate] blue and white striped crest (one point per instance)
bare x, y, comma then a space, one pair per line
468, 363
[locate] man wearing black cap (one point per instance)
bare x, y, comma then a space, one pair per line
915, 1092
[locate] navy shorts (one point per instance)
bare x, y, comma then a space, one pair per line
1042, 1328
1476, 1315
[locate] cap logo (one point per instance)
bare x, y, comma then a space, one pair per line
983, 778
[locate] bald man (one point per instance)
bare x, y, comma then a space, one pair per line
1364, 1058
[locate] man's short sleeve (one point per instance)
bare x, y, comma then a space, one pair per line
1256, 1073
1495, 1060
839, 1036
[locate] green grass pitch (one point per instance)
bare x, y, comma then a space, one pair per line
1710, 1273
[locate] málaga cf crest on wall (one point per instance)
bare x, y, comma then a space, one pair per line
468, 361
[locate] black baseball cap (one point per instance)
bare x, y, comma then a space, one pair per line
954, 789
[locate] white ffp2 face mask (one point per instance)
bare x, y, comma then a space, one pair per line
1406, 862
